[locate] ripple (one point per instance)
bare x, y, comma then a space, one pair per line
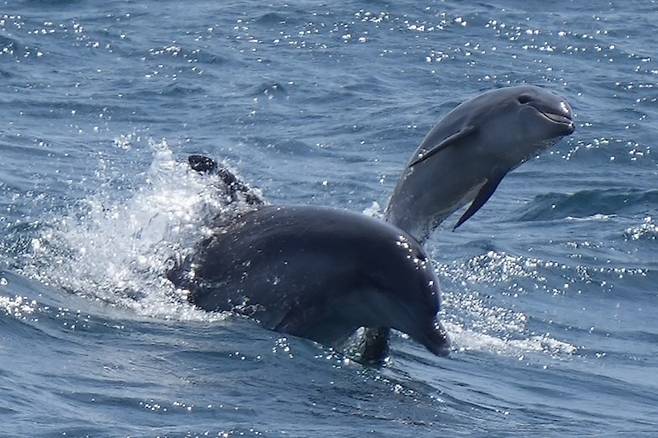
272, 18
269, 89
188, 55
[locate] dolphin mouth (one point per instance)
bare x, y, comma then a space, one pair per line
436, 340
557, 118
560, 119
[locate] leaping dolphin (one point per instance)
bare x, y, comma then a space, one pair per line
468, 152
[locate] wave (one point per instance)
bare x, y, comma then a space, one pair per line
589, 204
195, 56
272, 18
7, 43
269, 89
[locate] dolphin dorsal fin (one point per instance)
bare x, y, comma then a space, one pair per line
446, 142
482, 197
202, 164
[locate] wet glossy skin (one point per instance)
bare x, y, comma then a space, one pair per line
318, 273
506, 127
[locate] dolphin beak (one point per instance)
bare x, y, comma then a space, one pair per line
569, 125
561, 114
435, 339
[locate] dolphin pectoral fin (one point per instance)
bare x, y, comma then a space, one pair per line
446, 142
482, 197
290, 322
373, 348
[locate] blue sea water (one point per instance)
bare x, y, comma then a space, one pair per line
550, 292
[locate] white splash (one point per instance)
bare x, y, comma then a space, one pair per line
475, 323
17, 306
118, 251
375, 210
464, 339
595, 217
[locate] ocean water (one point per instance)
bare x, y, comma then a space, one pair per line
550, 292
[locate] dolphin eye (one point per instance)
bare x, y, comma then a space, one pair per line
523, 99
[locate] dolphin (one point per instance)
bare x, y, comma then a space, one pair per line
469, 151
318, 273
464, 158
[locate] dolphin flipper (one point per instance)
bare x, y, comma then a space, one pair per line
374, 346
482, 197
446, 142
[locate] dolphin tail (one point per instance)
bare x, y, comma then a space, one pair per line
231, 184
202, 164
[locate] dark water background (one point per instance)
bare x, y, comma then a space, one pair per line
550, 292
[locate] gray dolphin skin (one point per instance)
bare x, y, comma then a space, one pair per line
317, 273
466, 155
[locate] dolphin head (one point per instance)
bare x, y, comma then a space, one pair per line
406, 295
520, 122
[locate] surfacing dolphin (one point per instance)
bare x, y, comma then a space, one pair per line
317, 273
466, 155
322, 273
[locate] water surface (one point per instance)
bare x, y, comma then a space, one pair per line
549, 291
